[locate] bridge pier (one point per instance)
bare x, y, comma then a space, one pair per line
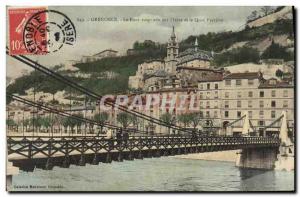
149, 154
185, 150
81, 161
157, 153
140, 155
130, 156
66, 162
95, 160
166, 152
120, 157
179, 151
257, 158
172, 152
279, 158
49, 164
108, 158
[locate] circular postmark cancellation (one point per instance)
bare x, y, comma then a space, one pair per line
47, 32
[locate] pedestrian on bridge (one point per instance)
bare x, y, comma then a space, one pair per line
119, 137
125, 138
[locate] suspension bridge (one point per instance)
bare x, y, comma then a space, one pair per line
37, 150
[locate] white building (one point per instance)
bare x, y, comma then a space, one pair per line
228, 99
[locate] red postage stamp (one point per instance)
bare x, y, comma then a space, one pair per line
18, 18
39, 31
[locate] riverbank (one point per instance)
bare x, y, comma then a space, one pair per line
229, 156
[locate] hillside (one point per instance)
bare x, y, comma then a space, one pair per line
231, 48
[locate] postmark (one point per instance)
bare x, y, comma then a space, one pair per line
45, 31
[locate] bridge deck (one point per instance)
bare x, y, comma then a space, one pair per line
86, 149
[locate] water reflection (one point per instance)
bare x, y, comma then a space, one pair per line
248, 173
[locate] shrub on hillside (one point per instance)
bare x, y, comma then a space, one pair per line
275, 51
237, 56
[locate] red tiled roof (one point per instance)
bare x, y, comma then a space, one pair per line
248, 75
277, 84
216, 77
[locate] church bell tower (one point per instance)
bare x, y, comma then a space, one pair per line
172, 53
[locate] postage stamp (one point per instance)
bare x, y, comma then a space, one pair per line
17, 20
39, 31
151, 99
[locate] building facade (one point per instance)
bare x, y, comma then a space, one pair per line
236, 94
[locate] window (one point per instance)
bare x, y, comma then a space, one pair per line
239, 114
201, 86
250, 94
239, 94
216, 94
261, 123
201, 104
208, 95
285, 104
238, 82
250, 82
273, 93
226, 94
201, 114
261, 113
250, 114
216, 86
208, 86
216, 104
261, 104
207, 122
261, 94
207, 104
285, 93
226, 113
215, 114
227, 82
239, 104
273, 103
201, 95
273, 115
249, 104
226, 104
207, 114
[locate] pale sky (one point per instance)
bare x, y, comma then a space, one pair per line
93, 37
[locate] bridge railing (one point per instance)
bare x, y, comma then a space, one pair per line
29, 147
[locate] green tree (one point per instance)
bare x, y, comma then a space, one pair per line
91, 127
279, 73
185, 119
275, 51
124, 119
46, 122
78, 122
72, 122
135, 121
101, 118
168, 119
37, 123
65, 123
10, 123
195, 119
26, 123
237, 56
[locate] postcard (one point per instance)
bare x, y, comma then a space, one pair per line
150, 99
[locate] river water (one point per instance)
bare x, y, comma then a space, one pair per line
156, 174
